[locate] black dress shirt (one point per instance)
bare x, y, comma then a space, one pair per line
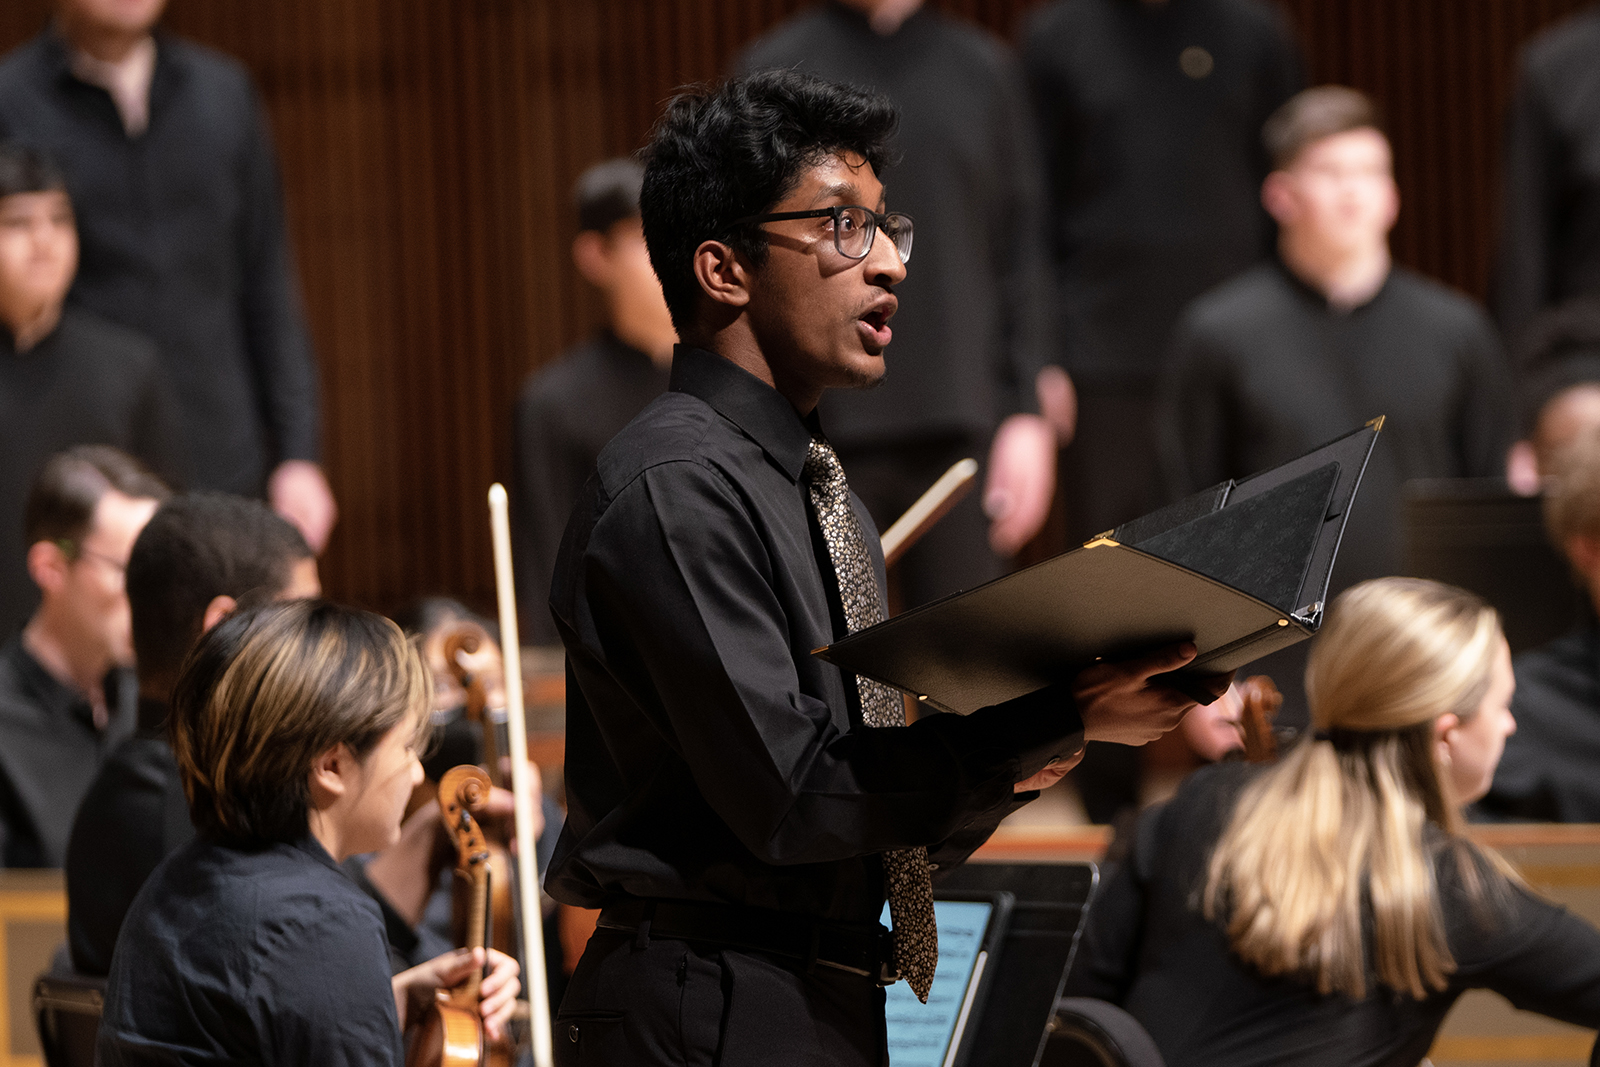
133, 816
710, 756
1550, 216
49, 753
1264, 370
1549, 770
1150, 121
234, 956
87, 383
1147, 947
182, 236
565, 415
974, 326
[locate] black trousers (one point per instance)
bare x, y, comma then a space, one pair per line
687, 1004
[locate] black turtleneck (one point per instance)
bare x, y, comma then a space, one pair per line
87, 382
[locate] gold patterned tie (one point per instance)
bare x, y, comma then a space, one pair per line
916, 938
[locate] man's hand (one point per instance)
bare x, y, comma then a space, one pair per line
299, 492
1022, 480
1058, 402
1049, 776
497, 993
1118, 702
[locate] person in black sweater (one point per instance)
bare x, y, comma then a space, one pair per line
296, 728
1150, 114
567, 411
1327, 910
67, 377
1549, 770
975, 341
1297, 351
175, 184
1550, 196
192, 561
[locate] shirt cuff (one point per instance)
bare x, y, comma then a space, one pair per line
1033, 732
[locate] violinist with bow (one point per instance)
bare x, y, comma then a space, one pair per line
295, 727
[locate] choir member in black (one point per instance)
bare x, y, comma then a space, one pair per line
729, 805
1558, 388
1328, 909
175, 185
1330, 334
67, 377
568, 411
1550, 214
1150, 114
194, 559
1549, 770
296, 728
976, 337
66, 688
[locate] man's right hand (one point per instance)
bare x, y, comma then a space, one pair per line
1118, 701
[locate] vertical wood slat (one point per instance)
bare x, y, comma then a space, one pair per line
427, 149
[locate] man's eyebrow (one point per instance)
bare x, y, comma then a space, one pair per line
846, 191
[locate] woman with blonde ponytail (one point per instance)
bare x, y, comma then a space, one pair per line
1326, 909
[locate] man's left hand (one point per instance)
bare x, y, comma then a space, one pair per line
299, 492
1022, 481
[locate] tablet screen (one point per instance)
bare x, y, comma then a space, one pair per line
928, 1035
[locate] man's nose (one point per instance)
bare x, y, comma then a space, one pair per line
884, 265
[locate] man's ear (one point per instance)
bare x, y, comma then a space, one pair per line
1277, 197
216, 610
47, 566
591, 255
722, 274
329, 779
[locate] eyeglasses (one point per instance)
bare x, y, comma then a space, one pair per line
854, 227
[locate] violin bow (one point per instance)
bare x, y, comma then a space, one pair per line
533, 972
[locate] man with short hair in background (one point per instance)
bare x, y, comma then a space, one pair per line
175, 184
569, 410
66, 690
196, 557
67, 377
1299, 350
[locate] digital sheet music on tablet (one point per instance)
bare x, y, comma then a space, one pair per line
929, 1035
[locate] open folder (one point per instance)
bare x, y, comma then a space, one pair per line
1240, 569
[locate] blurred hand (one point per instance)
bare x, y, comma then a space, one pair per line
1058, 402
1522, 469
1118, 702
299, 492
1049, 776
1022, 480
497, 993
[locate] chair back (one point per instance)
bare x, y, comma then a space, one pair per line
67, 1009
1096, 1033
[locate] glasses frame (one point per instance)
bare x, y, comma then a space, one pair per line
876, 221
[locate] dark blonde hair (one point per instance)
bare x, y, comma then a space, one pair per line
1311, 115
269, 689
1336, 828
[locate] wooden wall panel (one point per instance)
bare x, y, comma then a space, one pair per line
428, 146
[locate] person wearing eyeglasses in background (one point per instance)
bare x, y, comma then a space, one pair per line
738, 809
974, 373
67, 693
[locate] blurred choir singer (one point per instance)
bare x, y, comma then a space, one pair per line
181, 223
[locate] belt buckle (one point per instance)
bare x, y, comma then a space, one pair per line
888, 967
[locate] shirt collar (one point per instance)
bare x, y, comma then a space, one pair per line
749, 403
48, 693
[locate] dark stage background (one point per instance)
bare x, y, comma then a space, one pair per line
428, 146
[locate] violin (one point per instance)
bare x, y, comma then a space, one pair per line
1261, 703
451, 1033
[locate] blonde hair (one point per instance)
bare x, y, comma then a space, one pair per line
1336, 827
269, 689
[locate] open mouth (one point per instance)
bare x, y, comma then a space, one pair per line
875, 324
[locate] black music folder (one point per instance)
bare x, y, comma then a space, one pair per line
1240, 569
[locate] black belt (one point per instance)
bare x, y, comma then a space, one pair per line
862, 950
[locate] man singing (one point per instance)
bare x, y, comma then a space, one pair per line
739, 809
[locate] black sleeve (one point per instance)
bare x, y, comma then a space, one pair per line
1108, 954
1528, 207
677, 581
276, 340
1536, 954
158, 438
1485, 421
544, 492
